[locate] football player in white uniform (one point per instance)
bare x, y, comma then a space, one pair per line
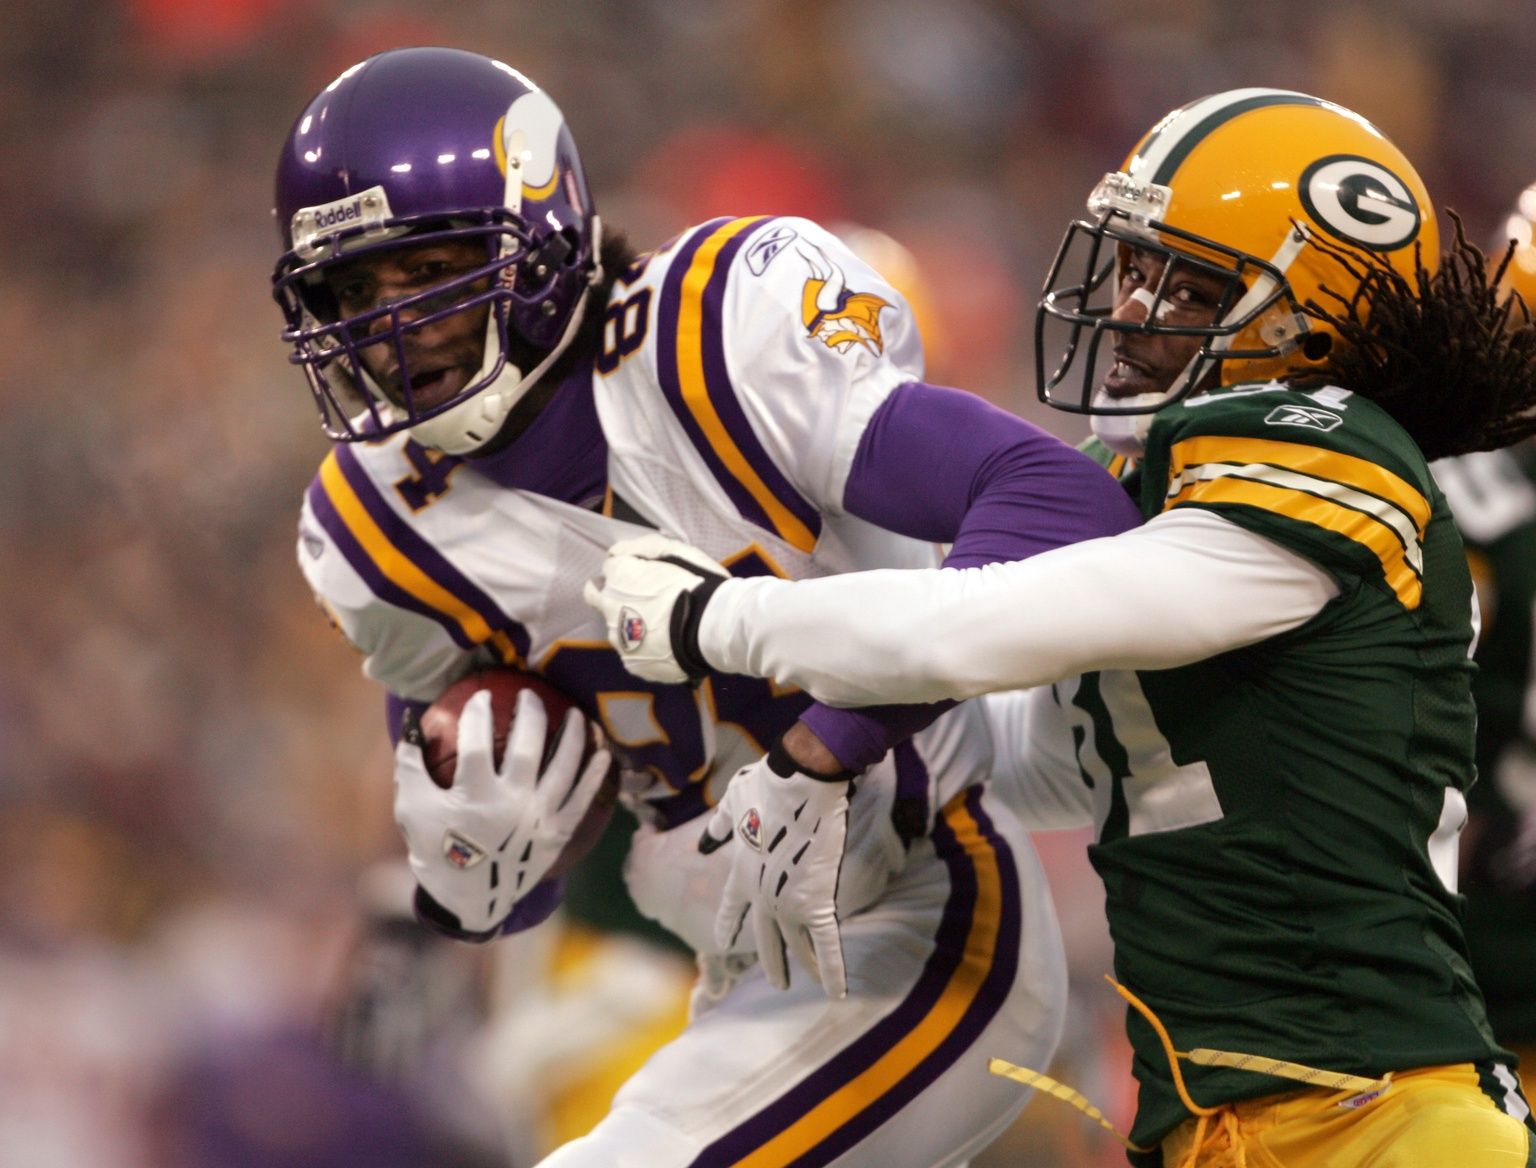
511, 394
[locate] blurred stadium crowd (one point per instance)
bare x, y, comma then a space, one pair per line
193, 772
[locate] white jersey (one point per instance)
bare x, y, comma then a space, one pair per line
739, 371
739, 368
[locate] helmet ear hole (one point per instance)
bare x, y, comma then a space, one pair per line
551, 255
1316, 346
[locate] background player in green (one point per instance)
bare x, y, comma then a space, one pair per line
1261, 695
1493, 496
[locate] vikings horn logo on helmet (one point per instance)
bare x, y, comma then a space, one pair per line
527, 141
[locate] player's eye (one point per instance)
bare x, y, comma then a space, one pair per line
1142, 268
431, 271
353, 293
437, 269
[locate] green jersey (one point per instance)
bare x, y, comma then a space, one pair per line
1278, 823
1493, 497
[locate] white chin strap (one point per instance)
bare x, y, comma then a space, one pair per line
1124, 433
472, 423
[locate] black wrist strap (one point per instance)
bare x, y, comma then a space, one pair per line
437, 918
684, 629
783, 764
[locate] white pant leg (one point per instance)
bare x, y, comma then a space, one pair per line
959, 960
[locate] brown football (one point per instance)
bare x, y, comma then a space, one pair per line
440, 742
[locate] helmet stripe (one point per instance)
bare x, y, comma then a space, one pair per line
1166, 147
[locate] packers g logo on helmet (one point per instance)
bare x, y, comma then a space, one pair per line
1360, 202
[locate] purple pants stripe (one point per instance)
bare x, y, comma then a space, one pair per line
962, 986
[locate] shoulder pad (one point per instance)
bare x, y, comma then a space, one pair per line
1324, 472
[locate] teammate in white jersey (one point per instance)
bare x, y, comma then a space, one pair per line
510, 394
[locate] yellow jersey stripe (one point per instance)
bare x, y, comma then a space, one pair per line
694, 385
1408, 536
1367, 530
1313, 461
398, 569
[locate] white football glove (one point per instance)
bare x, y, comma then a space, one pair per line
654, 590
790, 830
487, 841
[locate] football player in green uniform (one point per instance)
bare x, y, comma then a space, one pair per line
1261, 696
1493, 496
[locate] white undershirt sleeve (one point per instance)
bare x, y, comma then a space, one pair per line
1184, 586
1034, 759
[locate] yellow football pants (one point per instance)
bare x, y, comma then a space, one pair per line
1433, 1117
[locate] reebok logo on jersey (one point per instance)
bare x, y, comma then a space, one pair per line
1309, 416
461, 851
631, 628
761, 253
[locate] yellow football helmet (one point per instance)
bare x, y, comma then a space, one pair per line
1520, 275
1256, 186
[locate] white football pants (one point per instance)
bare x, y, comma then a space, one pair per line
959, 960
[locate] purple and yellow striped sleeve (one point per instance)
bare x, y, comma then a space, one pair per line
402, 568
696, 383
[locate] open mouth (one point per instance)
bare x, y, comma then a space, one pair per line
1128, 377
432, 387
429, 386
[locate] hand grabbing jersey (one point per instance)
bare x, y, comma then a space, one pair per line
654, 591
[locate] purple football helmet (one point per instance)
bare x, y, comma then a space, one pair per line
422, 146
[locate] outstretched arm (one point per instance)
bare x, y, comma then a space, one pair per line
946, 466
1185, 586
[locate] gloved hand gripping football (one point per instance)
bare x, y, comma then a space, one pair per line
480, 845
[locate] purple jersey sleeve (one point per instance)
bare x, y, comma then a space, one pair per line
946, 466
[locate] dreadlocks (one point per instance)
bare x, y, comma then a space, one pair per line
1445, 355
